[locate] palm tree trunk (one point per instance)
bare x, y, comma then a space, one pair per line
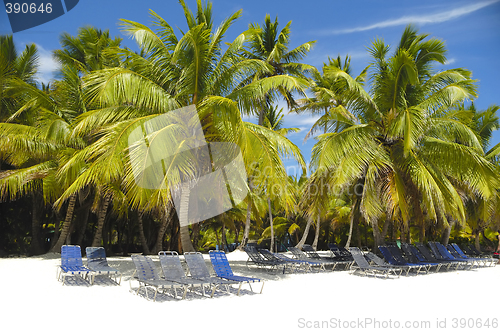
163, 228
446, 233
376, 235
142, 237
385, 229
316, 235
67, 223
348, 243
35, 246
306, 232
246, 232
271, 224
187, 246
100, 221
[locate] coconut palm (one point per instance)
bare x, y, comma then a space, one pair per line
404, 137
270, 45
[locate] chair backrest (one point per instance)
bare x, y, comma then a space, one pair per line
374, 258
459, 250
253, 254
425, 252
268, 255
220, 263
409, 254
297, 252
96, 257
310, 251
396, 253
196, 264
171, 265
71, 256
435, 250
145, 268
418, 255
443, 251
358, 257
388, 255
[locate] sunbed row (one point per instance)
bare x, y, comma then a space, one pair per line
146, 273
415, 258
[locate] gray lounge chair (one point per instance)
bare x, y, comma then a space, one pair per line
199, 270
147, 276
173, 271
97, 263
363, 266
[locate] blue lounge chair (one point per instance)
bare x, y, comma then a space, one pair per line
223, 270
363, 266
483, 260
416, 257
71, 264
430, 258
147, 276
98, 264
441, 252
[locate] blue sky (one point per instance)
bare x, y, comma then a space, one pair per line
471, 30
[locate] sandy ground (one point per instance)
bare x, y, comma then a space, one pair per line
461, 300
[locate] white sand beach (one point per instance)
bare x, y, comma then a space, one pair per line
34, 300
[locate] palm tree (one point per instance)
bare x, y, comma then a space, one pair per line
270, 45
404, 138
170, 73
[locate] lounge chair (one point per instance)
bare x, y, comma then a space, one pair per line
97, 262
347, 261
173, 271
256, 258
147, 276
416, 257
431, 259
440, 252
484, 260
293, 264
71, 264
199, 270
363, 266
223, 270
340, 253
396, 253
377, 261
299, 254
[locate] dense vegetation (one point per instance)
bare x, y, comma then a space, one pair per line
401, 150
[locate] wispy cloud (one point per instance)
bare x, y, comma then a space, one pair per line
47, 65
450, 61
418, 19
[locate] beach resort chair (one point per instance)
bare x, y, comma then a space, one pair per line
71, 264
484, 260
309, 250
389, 257
431, 259
363, 266
223, 270
147, 276
293, 264
256, 258
416, 257
340, 253
398, 256
198, 270
98, 264
440, 252
173, 271
377, 261
299, 254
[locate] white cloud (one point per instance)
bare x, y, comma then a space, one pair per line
418, 19
450, 61
47, 65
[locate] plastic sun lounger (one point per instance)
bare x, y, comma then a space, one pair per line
346, 259
485, 260
429, 258
256, 258
173, 271
299, 254
396, 253
416, 257
363, 266
442, 253
223, 270
97, 262
71, 264
147, 276
293, 264
199, 270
